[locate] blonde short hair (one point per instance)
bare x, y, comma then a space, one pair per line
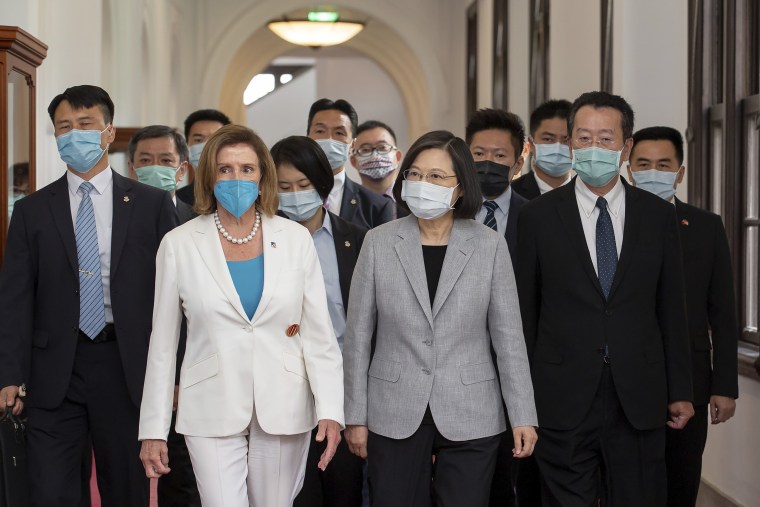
206, 172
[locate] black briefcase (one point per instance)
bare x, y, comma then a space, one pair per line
14, 482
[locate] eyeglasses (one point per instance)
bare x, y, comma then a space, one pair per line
585, 141
381, 149
434, 177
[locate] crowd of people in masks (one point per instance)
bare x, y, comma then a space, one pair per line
514, 318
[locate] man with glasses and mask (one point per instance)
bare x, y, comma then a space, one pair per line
550, 154
602, 301
333, 125
377, 159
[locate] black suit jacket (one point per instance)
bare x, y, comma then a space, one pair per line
39, 287
516, 202
709, 303
348, 240
527, 186
186, 194
185, 211
566, 319
364, 207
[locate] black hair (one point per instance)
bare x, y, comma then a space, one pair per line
661, 134
82, 97
304, 154
549, 110
205, 115
469, 203
154, 132
375, 124
599, 100
340, 105
487, 119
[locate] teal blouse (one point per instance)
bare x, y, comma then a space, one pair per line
248, 277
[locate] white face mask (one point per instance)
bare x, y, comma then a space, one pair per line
195, 153
425, 200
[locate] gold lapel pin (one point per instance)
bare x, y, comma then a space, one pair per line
347, 243
353, 201
126, 198
292, 330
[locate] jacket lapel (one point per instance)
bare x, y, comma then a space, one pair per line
569, 214
348, 205
123, 202
409, 253
207, 242
344, 249
60, 207
630, 235
270, 230
458, 253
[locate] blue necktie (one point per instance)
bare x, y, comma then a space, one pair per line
490, 220
606, 250
92, 313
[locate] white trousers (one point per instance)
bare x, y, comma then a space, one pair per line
253, 468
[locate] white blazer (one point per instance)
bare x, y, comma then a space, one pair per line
233, 363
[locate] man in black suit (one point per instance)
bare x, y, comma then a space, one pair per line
333, 125
601, 295
76, 302
657, 166
377, 158
199, 126
550, 154
158, 156
496, 138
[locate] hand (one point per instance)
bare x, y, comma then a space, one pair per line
176, 398
680, 413
331, 429
722, 408
356, 438
155, 458
10, 396
525, 441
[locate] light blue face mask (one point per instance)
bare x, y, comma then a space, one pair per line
554, 159
195, 153
80, 149
236, 196
300, 206
660, 183
336, 151
159, 176
596, 166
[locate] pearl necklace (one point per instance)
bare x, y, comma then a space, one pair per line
228, 236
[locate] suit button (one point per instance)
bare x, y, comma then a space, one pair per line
426, 371
75, 328
607, 312
249, 329
76, 291
429, 343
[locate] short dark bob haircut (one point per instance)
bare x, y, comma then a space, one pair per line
304, 154
469, 203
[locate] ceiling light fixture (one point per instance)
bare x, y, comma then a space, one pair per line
320, 28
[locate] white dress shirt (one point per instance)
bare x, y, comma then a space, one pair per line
501, 213
102, 204
335, 199
590, 213
543, 186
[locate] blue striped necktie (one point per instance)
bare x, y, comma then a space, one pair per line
92, 313
490, 220
606, 249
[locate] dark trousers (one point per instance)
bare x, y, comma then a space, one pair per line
400, 471
178, 487
516, 482
97, 406
683, 457
340, 485
603, 457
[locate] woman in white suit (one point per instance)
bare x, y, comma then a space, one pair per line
262, 365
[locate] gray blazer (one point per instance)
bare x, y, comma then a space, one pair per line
437, 354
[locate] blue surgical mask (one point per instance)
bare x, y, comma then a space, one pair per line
425, 200
660, 183
300, 206
596, 166
195, 153
80, 149
159, 176
236, 196
336, 151
554, 159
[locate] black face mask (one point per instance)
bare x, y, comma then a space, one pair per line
493, 177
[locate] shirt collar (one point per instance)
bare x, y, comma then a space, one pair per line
339, 180
326, 225
100, 181
389, 192
587, 199
543, 186
503, 200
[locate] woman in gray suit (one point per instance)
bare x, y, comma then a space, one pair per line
435, 292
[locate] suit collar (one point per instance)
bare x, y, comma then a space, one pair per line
345, 251
458, 253
123, 203
348, 204
60, 208
631, 229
